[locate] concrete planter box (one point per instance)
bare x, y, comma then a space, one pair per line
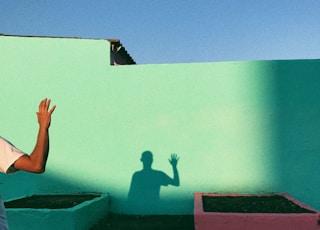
306, 218
79, 217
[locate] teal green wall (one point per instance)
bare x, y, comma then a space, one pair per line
243, 127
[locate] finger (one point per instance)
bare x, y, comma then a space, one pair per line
40, 105
175, 156
52, 109
47, 105
43, 105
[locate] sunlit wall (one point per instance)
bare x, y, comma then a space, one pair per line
233, 124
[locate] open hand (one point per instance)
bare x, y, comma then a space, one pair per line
174, 160
44, 114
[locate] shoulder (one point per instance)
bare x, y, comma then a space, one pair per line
137, 173
160, 173
4, 142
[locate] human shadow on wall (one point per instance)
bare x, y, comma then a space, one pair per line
144, 193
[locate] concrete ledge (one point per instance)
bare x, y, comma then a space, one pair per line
262, 221
79, 217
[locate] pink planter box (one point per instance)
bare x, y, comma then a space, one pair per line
306, 219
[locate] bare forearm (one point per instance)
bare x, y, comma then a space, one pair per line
40, 153
176, 180
174, 161
36, 161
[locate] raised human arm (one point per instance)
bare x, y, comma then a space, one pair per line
36, 161
174, 161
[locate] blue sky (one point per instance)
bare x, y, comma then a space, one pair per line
176, 31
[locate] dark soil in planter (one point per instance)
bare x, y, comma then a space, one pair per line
145, 222
251, 204
110, 221
50, 201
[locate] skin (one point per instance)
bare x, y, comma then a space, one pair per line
36, 161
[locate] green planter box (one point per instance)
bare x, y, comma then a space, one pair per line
81, 216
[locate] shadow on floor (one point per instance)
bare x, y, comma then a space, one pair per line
147, 222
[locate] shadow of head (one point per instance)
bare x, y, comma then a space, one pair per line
147, 158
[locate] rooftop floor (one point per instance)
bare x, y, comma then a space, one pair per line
137, 222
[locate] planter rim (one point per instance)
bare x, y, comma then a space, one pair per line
198, 204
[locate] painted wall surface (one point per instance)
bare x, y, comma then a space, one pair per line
246, 127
